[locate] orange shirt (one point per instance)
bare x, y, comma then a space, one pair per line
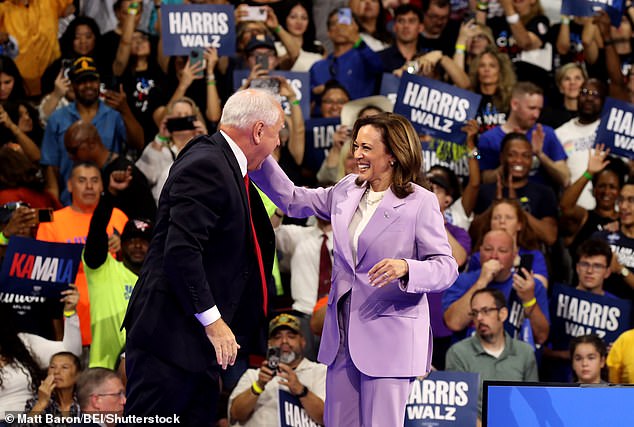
70, 226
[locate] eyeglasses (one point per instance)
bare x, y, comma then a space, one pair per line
595, 266
484, 310
120, 394
628, 200
588, 92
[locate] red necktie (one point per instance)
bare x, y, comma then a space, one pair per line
325, 269
258, 252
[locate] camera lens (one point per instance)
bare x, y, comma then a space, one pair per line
194, 54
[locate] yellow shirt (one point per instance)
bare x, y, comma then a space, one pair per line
35, 29
621, 359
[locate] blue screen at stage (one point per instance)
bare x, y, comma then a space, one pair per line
508, 404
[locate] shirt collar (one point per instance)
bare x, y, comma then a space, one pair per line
237, 152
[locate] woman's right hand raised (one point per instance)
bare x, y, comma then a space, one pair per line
597, 160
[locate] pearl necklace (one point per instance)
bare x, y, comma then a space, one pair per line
369, 193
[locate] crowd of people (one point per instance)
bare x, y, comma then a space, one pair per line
474, 240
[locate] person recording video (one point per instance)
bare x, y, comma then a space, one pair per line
255, 400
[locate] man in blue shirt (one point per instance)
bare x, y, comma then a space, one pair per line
527, 101
526, 296
352, 63
114, 128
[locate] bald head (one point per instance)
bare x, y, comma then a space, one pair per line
81, 141
498, 245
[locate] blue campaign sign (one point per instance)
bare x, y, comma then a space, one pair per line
574, 313
434, 108
319, 134
443, 399
33, 267
616, 129
292, 413
300, 83
389, 86
195, 26
614, 8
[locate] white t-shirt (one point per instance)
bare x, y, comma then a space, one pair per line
577, 139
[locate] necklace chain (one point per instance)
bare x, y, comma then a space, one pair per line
372, 202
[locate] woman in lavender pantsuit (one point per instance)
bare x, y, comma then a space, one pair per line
390, 249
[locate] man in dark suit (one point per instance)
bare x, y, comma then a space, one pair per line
202, 292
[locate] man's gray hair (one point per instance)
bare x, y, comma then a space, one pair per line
245, 107
89, 381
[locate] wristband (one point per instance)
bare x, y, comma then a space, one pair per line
460, 48
513, 19
565, 20
4, 240
303, 393
211, 83
69, 313
295, 102
277, 29
530, 303
482, 6
588, 175
255, 388
358, 43
161, 139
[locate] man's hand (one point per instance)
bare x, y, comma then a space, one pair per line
525, 287
119, 180
288, 377
22, 222
537, 140
265, 375
116, 100
489, 270
224, 342
70, 298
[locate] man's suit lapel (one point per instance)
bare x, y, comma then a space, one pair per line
386, 213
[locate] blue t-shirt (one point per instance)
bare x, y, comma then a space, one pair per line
109, 125
515, 319
490, 144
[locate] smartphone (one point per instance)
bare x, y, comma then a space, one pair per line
273, 358
181, 123
112, 84
344, 16
269, 84
66, 64
526, 261
196, 57
263, 60
255, 13
45, 215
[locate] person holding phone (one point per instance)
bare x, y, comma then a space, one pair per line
182, 122
526, 296
376, 335
254, 401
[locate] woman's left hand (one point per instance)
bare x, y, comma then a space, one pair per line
524, 286
386, 271
70, 298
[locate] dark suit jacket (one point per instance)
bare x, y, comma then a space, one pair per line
201, 255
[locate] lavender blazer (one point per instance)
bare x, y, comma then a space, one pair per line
389, 332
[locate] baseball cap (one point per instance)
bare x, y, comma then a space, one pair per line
137, 228
82, 68
284, 320
260, 40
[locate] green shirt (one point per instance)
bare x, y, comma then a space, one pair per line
110, 287
516, 363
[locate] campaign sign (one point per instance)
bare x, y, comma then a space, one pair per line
195, 26
443, 399
389, 86
614, 8
300, 83
33, 267
319, 133
574, 313
434, 108
616, 128
292, 413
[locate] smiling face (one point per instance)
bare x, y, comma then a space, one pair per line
587, 363
84, 41
332, 102
373, 158
571, 83
517, 158
626, 205
606, 190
